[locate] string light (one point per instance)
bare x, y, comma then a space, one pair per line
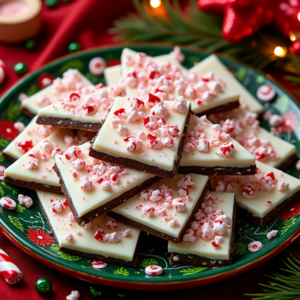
293, 37
299, 16
280, 51
157, 3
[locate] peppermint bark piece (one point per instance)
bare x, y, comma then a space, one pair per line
113, 74
209, 150
30, 136
263, 196
84, 109
70, 81
207, 94
166, 208
213, 63
145, 135
104, 239
94, 187
34, 169
244, 127
208, 241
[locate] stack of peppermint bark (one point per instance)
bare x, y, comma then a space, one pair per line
161, 149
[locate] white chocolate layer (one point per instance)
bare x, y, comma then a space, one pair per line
281, 147
212, 63
109, 142
85, 242
157, 59
257, 204
18, 169
239, 158
29, 132
157, 222
57, 111
204, 248
86, 201
112, 75
49, 91
224, 97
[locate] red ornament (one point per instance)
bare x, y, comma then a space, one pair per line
295, 47
242, 18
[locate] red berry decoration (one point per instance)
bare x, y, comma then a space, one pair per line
295, 48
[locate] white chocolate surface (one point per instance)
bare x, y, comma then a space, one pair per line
239, 158
224, 97
212, 63
86, 201
204, 248
18, 169
50, 92
29, 132
86, 243
163, 158
257, 204
157, 222
112, 75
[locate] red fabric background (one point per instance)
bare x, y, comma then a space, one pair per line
87, 21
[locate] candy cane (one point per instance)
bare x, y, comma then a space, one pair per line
2, 71
8, 270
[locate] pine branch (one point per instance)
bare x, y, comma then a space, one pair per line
286, 286
195, 28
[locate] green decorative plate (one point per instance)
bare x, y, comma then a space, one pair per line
28, 229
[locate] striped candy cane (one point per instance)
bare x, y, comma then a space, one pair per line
8, 270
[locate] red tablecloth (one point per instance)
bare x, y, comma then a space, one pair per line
87, 21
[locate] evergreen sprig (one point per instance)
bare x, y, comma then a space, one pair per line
285, 285
195, 28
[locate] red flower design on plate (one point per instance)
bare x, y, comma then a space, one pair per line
44, 80
113, 62
289, 122
39, 237
291, 211
8, 130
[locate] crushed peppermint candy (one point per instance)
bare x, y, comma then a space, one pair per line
255, 246
162, 200
154, 131
205, 136
93, 172
169, 81
208, 223
271, 234
25, 200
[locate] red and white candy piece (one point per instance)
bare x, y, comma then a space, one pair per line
248, 191
265, 93
225, 150
97, 66
2, 169
8, 203
96, 264
73, 296
153, 270
255, 246
2, 71
271, 234
25, 200
8, 270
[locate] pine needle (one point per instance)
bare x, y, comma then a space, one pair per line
286, 285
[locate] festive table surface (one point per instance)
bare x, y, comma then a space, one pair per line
87, 21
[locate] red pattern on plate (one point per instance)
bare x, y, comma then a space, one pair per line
40, 237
